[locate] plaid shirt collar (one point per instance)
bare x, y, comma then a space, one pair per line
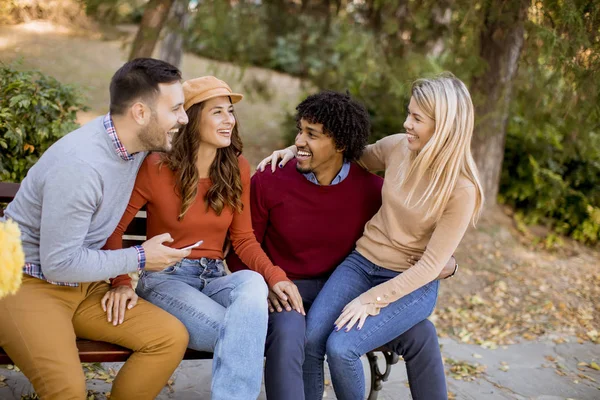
112, 132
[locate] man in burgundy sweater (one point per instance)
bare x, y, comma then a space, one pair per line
308, 216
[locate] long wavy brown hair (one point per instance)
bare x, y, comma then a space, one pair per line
226, 188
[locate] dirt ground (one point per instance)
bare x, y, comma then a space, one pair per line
508, 288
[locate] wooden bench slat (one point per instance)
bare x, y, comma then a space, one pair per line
92, 351
8, 191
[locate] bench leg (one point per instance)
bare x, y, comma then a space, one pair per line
376, 376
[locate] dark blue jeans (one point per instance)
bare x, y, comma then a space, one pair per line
285, 349
401, 322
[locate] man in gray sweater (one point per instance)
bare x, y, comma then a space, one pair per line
67, 206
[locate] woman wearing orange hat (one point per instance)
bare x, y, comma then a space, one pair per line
200, 191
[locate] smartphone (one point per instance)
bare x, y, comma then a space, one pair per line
198, 243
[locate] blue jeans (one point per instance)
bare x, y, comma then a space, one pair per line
353, 277
284, 349
226, 314
286, 340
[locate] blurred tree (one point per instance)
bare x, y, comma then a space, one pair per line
500, 44
171, 49
153, 20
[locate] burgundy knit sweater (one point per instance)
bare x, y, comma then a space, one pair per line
308, 229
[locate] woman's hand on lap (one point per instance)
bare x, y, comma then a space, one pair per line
354, 312
287, 293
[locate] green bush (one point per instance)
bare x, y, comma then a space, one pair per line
35, 111
551, 171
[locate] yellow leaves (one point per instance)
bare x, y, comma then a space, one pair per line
594, 365
97, 371
504, 366
28, 147
489, 345
583, 376
523, 295
559, 340
13, 259
2, 381
170, 384
463, 371
476, 300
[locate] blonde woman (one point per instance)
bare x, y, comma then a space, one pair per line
430, 195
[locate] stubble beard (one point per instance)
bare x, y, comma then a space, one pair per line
152, 138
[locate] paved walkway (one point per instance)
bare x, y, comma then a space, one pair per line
541, 370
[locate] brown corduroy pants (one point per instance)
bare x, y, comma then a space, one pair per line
39, 325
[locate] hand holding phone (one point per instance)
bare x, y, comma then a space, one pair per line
198, 243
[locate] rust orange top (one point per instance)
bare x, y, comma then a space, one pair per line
155, 188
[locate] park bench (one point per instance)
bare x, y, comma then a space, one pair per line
93, 351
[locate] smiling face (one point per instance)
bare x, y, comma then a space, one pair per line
316, 150
167, 116
419, 127
217, 122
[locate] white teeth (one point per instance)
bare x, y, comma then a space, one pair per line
303, 153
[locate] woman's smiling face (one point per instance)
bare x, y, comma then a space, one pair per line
419, 127
217, 122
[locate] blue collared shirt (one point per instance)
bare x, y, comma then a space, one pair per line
343, 174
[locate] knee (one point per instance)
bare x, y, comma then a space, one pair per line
287, 332
251, 285
173, 333
338, 349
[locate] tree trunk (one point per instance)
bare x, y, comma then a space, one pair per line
501, 41
171, 49
154, 18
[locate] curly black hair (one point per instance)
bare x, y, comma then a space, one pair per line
343, 118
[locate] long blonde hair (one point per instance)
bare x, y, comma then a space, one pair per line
447, 155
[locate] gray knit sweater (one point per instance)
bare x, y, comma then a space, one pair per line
71, 201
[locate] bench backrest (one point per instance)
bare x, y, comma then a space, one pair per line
135, 233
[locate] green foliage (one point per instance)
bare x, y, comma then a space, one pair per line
375, 49
115, 11
35, 111
551, 169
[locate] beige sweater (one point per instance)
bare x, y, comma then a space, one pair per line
397, 232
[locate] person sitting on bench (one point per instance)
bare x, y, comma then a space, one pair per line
308, 216
67, 206
200, 191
